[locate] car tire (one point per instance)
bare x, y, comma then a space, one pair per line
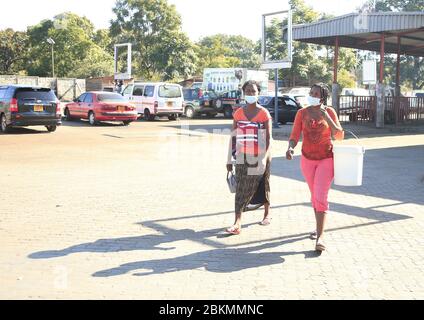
190, 113
92, 118
4, 128
67, 115
228, 112
51, 128
148, 116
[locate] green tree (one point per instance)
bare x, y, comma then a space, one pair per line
346, 80
75, 48
13, 51
154, 28
214, 53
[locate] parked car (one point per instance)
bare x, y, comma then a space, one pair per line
198, 102
300, 91
23, 106
156, 99
287, 107
227, 101
301, 100
101, 106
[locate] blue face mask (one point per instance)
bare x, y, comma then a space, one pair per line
314, 101
251, 99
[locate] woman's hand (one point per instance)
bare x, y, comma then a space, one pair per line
230, 167
289, 154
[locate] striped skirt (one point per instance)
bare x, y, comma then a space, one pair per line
248, 183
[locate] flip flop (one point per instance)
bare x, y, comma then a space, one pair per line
266, 222
320, 246
233, 230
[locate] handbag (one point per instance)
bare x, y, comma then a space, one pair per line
231, 181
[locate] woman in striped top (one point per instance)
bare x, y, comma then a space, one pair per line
252, 134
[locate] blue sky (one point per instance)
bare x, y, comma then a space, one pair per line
200, 17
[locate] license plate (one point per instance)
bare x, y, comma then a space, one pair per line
38, 108
121, 109
207, 103
170, 104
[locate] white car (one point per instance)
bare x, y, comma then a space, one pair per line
156, 99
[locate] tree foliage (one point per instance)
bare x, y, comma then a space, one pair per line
75, 48
13, 51
154, 29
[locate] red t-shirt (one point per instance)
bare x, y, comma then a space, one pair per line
317, 142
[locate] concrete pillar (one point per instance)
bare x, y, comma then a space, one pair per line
335, 97
381, 101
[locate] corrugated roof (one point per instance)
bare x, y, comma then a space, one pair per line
357, 30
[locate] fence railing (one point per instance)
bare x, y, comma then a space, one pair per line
403, 110
398, 110
357, 109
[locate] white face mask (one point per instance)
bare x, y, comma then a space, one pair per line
251, 99
314, 101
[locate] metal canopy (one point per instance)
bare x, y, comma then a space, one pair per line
363, 31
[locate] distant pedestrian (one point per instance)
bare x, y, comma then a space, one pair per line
252, 133
318, 124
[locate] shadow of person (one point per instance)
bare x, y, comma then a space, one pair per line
216, 260
148, 242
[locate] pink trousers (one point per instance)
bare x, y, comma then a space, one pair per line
319, 174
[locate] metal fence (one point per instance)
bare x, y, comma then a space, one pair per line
357, 109
401, 110
398, 110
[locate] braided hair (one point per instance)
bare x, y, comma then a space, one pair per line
324, 91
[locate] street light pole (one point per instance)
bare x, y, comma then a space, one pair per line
53, 61
51, 41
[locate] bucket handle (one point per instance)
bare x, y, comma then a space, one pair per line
352, 134
356, 137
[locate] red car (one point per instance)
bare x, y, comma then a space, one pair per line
101, 106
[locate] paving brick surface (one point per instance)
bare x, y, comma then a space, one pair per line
138, 212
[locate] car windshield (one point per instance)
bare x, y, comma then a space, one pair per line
110, 97
35, 94
263, 101
169, 92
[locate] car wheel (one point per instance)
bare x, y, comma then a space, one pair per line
228, 112
67, 115
126, 123
4, 127
51, 128
189, 112
148, 116
92, 118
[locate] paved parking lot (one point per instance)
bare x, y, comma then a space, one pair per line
138, 213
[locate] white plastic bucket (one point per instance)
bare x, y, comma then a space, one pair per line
348, 165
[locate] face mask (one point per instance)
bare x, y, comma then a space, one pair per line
251, 99
314, 101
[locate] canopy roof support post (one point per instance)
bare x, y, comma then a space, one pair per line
381, 89
335, 88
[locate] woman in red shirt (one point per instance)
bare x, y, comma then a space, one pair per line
318, 124
252, 134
